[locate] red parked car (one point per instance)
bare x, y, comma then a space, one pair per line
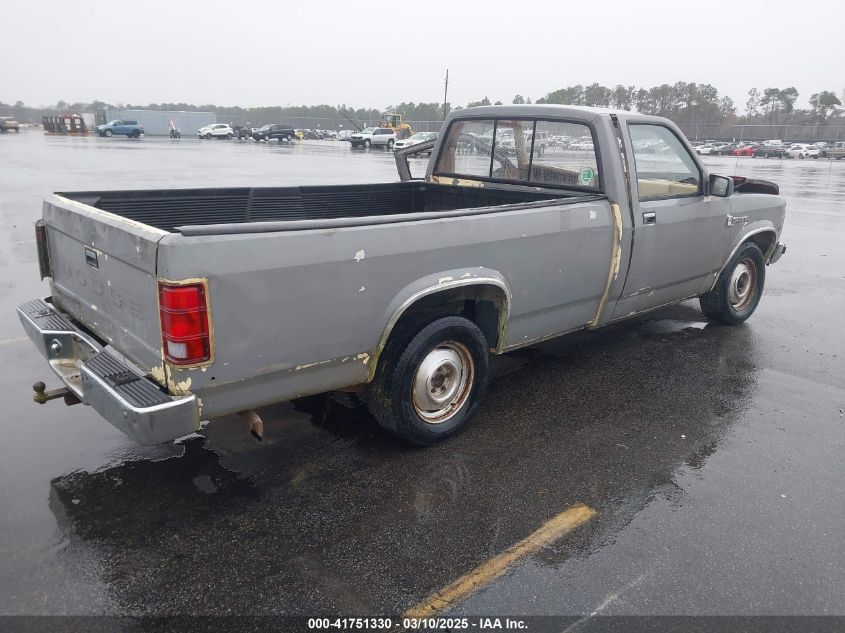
748, 150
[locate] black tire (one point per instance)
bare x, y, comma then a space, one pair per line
108, 132
390, 144
726, 302
367, 143
229, 136
391, 398
266, 138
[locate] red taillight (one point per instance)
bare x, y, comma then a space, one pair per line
184, 323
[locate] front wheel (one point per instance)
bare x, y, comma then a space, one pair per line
108, 132
739, 287
367, 143
430, 379
390, 144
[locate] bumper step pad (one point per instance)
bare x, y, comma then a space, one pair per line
134, 388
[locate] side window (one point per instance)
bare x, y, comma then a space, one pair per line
468, 148
664, 167
564, 154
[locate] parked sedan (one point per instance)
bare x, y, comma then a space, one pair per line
581, 145
419, 137
722, 149
216, 130
768, 151
8, 124
803, 151
743, 150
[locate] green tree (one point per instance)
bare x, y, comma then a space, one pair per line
597, 96
753, 102
823, 103
788, 97
771, 97
623, 97
571, 95
518, 100
485, 101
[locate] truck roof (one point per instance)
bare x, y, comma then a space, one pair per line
540, 110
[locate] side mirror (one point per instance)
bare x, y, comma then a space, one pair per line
721, 186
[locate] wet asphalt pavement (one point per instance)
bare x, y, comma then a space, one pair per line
712, 454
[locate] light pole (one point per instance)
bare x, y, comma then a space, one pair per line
445, 93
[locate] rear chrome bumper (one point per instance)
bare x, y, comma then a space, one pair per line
128, 400
780, 249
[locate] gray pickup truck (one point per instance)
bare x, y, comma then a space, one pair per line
170, 307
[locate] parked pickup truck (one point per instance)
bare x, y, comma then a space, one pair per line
837, 151
127, 128
169, 307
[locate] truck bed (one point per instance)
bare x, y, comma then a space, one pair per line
169, 209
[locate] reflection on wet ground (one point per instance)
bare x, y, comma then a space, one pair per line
711, 454
602, 419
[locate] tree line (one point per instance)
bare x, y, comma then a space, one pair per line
688, 104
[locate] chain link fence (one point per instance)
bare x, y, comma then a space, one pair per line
740, 132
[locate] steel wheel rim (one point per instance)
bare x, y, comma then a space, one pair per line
743, 283
442, 382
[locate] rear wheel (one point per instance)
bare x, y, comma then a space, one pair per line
430, 379
739, 287
229, 136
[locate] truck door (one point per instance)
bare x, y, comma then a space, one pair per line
681, 237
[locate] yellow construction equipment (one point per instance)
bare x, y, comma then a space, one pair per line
395, 121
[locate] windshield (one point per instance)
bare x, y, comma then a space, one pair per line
266, 127
115, 122
368, 130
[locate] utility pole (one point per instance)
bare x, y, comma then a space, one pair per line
445, 93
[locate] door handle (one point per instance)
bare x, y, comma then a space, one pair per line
649, 217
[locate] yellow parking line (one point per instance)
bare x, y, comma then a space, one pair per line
9, 341
487, 572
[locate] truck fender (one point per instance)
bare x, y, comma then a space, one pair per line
443, 282
763, 233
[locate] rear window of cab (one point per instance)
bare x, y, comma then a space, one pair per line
543, 152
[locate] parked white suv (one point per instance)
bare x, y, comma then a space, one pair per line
216, 130
379, 136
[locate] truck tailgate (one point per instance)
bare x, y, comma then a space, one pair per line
104, 275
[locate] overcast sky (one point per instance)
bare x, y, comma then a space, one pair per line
275, 53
